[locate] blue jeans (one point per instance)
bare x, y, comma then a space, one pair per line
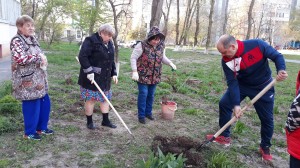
36, 114
145, 99
263, 107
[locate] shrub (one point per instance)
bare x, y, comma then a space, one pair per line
9, 105
163, 161
6, 125
5, 88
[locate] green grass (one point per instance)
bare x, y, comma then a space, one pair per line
292, 57
220, 160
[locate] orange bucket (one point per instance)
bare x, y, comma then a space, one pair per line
168, 110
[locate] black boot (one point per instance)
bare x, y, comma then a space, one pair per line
106, 122
90, 124
150, 117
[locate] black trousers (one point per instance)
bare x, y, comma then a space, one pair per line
294, 162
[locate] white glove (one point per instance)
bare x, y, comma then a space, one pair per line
135, 76
115, 79
173, 66
91, 77
44, 62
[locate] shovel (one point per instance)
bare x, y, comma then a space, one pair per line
97, 86
233, 119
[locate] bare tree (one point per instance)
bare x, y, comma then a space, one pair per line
210, 22
48, 8
189, 11
188, 27
29, 7
117, 15
225, 17
33, 9
197, 22
166, 16
156, 12
260, 24
250, 19
177, 23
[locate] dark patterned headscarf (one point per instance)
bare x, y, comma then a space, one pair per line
154, 31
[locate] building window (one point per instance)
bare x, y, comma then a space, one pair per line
78, 34
68, 33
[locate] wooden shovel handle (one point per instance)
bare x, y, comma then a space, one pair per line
233, 119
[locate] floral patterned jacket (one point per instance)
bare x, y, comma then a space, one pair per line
149, 65
293, 128
29, 81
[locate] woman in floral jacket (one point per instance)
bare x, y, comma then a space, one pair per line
293, 129
29, 79
146, 63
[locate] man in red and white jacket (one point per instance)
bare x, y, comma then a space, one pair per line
247, 71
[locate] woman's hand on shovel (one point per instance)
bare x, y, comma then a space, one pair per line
91, 77
237, 111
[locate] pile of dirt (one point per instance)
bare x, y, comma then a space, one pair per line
177, 145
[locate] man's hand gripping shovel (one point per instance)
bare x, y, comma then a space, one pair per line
233, 119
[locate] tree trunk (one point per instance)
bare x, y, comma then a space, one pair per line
197, 23
156, 12
41, 28
166, 17
177, 23
250, 19
94, 17
210, 22
116, 17
225, 17
116, 31
190, 23
260, 24
189, 9
33, 9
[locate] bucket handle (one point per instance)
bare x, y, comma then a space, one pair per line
173, 109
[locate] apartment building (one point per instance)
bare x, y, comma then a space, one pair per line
10, 10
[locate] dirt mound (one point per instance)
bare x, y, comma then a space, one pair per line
178, 145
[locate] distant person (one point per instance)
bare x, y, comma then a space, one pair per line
29, 79
247, 71
293, 129
146, 63
96, 58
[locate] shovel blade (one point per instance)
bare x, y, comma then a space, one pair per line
205, 143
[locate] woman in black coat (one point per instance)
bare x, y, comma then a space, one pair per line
96, 58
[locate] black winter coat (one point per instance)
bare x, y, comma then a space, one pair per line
95, 57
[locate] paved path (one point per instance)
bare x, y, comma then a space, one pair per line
5, 69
